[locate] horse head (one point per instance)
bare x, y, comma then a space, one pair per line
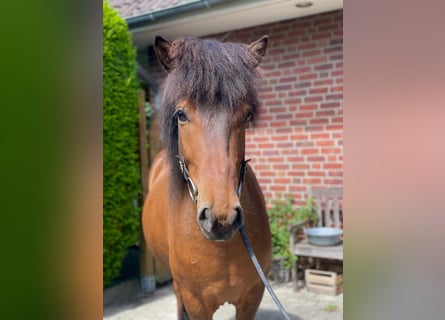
209, 99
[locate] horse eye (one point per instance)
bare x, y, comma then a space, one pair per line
249, 117
182, 117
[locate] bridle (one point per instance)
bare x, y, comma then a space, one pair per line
193, 192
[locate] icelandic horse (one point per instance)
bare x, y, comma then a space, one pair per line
192, 212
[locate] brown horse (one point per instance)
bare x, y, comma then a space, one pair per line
191, 225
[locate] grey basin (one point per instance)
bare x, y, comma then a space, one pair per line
323, 236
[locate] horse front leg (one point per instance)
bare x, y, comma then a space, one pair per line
182, 313
249, 304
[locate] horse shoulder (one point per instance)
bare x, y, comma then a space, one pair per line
155, 210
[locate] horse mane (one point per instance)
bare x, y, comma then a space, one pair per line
216, 77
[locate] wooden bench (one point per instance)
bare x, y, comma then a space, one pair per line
328, 212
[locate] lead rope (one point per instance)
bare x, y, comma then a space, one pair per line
252, 254
193, 192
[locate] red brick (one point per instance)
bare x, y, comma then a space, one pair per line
262, 166
277, 188
272, 74
330, 105
325, 143
308, 76
287, 64
325, 113
332, 165
306, 151
292, 101
276, 159
316, 173
322, 35
334, 42
316, 136
281, 166
316, 60
284, 145
333, 181
338, 96
273, 152
311, 53
311, 181
334, 127
299, 137
282, 180
318, 90
283, 130
304, 143
313, 128
261, 138
336, 57
272, 102
297, 93
295, 159
296, 123
302, 70
326, 27
283, 87
278, 109
288, 79
295, 188
291, 56
296, 173
323, 82
276, 124
266, 173
304, 114
304, 84
279, 138
315, 158
308, 107
313, 99
306, 46
319, 121
266, 145
299, 166
265, 96
330, 150
326, 66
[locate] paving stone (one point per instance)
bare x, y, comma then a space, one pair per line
301, 305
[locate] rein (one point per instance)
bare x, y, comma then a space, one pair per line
193, 192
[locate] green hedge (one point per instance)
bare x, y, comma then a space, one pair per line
121, 181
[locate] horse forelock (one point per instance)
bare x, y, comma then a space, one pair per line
215, 77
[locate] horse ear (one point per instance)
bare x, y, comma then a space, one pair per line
162, 50
258, 49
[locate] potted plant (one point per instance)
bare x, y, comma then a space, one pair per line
282, 214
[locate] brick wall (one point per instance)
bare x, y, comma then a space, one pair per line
298, 138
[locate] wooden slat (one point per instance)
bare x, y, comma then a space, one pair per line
304, 248
326, 282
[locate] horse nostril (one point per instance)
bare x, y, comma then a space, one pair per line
239, 219
203, 214
207, 220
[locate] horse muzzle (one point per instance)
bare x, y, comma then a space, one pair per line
220, 227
